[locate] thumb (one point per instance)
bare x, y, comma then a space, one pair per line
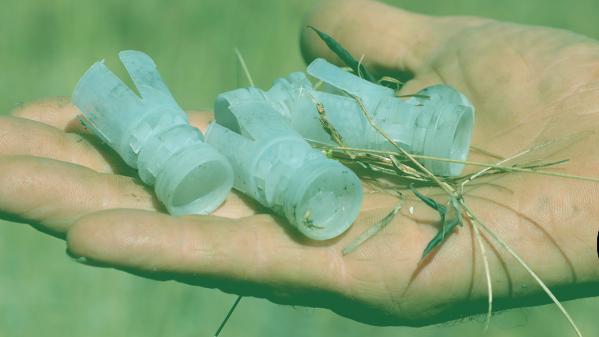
390, 39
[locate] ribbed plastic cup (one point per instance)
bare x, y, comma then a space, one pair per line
274, 165
152, 133
437, 122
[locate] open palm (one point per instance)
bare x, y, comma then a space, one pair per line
529, 85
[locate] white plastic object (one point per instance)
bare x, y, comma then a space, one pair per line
152, 133
274, 165
435, 122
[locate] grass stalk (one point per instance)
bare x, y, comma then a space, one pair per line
534, 275
244, 67
466, 162
226, 319
485, 259
455, 195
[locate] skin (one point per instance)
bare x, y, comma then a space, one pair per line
529, 84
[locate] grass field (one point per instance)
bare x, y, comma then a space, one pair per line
45, 46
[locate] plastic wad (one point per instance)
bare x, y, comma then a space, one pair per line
152, 133
274, 165
436, 122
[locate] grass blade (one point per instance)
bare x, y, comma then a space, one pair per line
345, 56
224, 322
370, 232
244, 66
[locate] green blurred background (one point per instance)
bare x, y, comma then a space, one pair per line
45, 46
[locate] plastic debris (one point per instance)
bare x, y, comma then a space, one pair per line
274, 165
152, 133
436, 122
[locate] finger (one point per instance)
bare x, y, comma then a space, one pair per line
200, 119
54, 194
44, 138
57, 112
19, 136
60, 113
253, 256
388, 37
256, 250
250, 254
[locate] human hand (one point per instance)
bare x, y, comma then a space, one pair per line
528, 84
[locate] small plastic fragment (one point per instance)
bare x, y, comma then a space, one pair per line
152, 133
274, 165
436, 122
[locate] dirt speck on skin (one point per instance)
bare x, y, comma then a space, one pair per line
135, 197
